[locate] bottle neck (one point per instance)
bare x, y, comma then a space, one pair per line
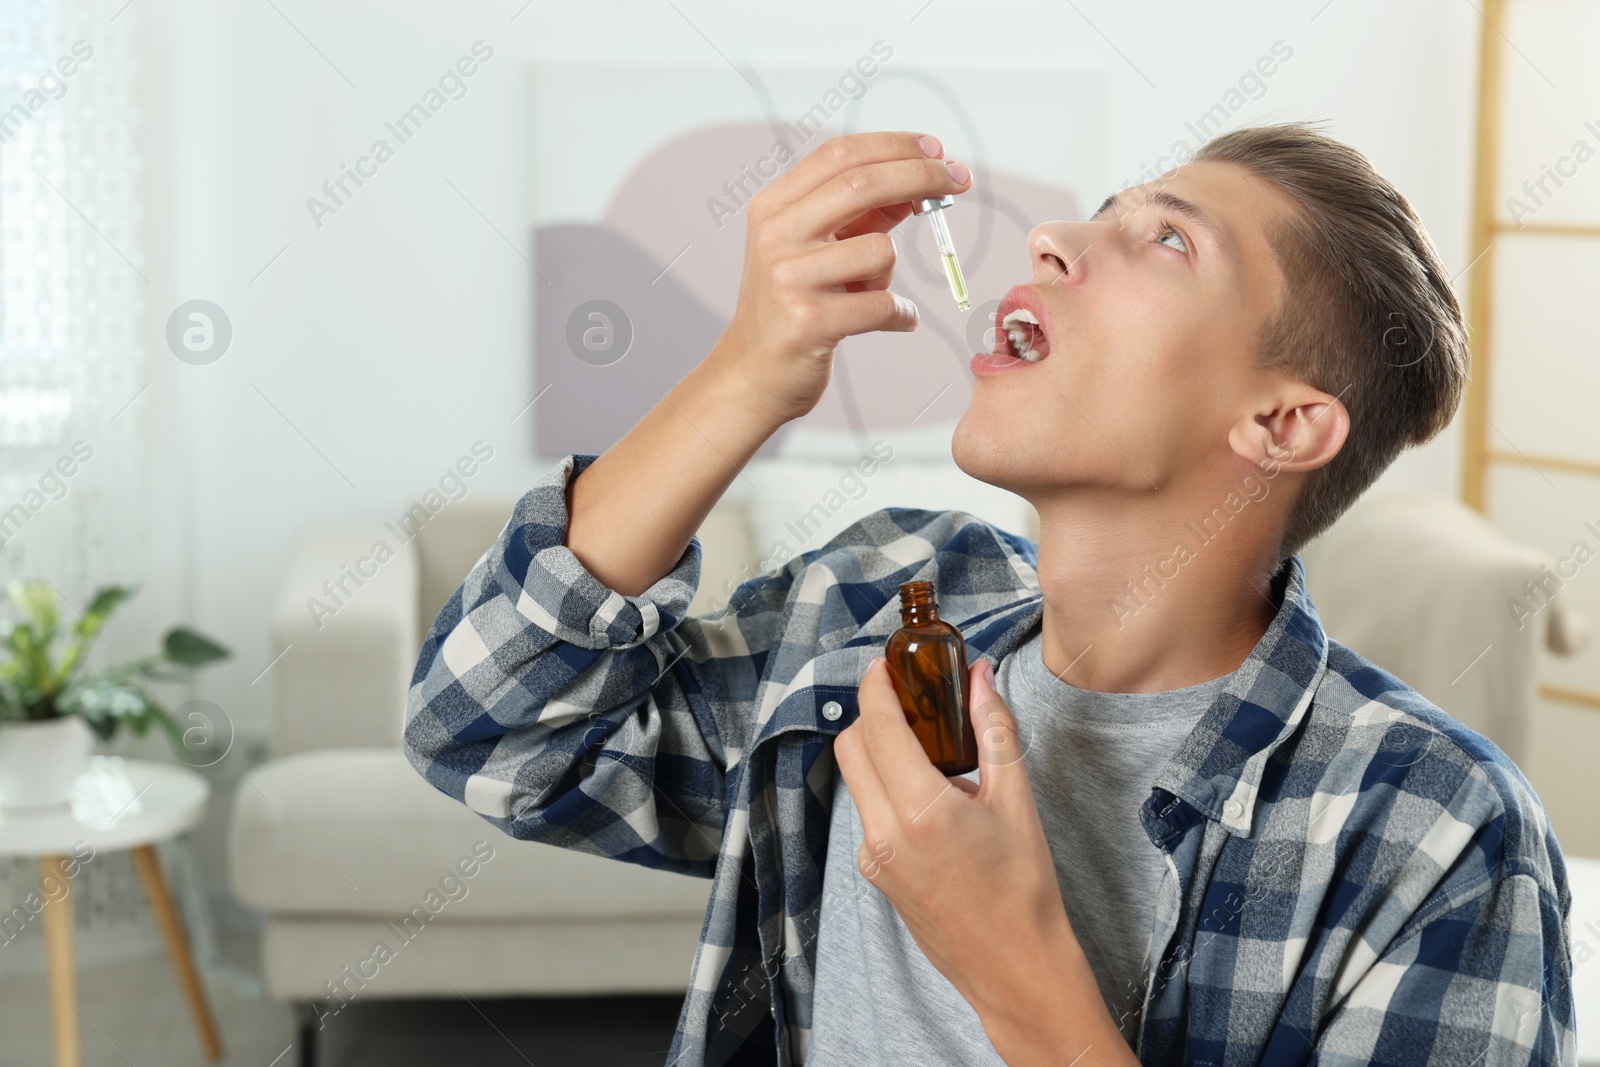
917, 604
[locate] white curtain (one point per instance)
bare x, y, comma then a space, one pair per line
72, 281
72, 366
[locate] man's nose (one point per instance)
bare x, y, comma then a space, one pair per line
1059, 251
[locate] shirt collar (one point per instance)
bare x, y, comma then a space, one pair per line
1216, 770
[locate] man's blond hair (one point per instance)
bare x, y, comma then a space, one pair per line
1368, 313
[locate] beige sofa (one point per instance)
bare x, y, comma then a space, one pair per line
338, 840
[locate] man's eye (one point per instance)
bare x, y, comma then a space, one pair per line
1169, 232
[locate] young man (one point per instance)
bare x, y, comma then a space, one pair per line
1201, 831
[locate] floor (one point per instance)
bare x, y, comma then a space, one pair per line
133, 1016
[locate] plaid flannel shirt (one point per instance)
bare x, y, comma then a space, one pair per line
1353, 877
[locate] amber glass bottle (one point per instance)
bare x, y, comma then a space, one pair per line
927, 661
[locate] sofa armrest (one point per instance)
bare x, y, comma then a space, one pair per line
346, 629
1422, 585
727, 556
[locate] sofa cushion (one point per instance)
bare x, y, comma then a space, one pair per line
505, 957
357, 832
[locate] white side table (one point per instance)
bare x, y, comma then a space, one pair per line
116, 804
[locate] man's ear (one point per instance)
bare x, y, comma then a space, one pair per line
1300, 428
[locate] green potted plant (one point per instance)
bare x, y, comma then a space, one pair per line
51, 710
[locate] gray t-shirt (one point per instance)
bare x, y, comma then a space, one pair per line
1091, 758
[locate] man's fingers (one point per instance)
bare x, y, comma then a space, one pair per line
879, 282
868, 190
838, 154
1000, 749
877, 220
909, 778
864, 258
879, 309
878, 817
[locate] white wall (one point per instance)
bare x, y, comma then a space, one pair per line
398, 333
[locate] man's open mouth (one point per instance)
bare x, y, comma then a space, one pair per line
1019, 331
1024, 335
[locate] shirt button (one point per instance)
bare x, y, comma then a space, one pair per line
1233, 809
832, 710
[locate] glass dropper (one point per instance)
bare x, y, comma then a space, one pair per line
933, 207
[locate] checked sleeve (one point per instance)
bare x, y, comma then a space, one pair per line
567, 713
1483, 980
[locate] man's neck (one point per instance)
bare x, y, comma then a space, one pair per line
1127, 611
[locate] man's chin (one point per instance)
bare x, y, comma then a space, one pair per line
981, 455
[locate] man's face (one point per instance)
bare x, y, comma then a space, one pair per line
1151, 313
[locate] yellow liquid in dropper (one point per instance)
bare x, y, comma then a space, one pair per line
958, 284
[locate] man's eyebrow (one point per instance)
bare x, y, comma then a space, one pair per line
1175, 204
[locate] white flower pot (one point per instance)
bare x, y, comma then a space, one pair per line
40, 760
